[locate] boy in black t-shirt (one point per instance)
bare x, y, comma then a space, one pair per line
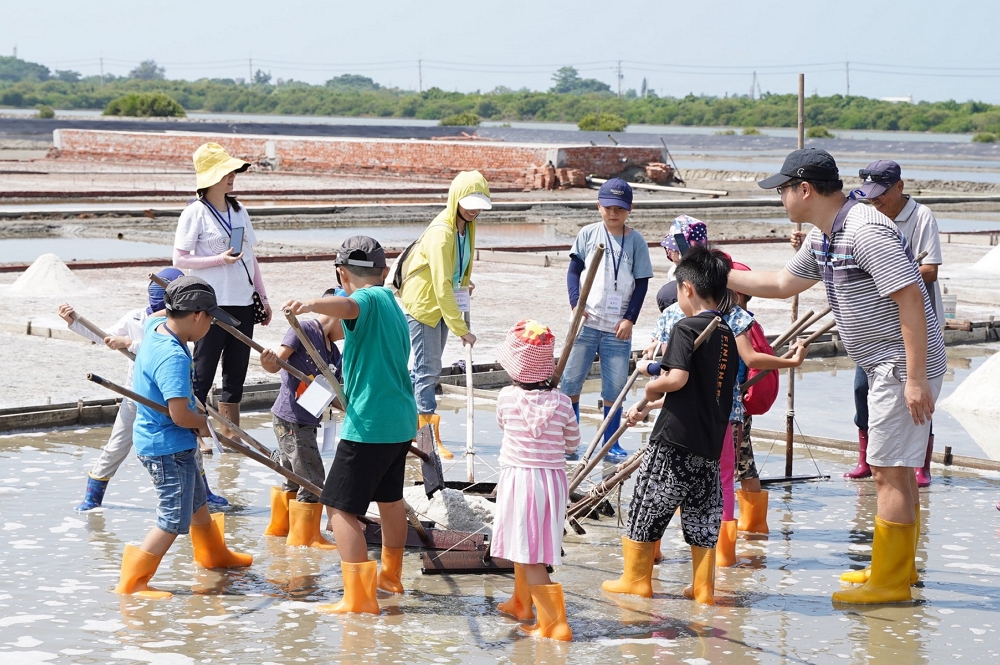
680, 467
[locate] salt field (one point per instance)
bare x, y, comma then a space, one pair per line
59, 568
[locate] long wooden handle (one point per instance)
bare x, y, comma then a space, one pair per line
323, 367
581, 306
746, 385
83, 321
704, 335
792, 330
301, 376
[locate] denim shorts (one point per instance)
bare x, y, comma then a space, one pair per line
614, 354
180, 491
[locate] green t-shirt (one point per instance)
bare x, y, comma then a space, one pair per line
380, 403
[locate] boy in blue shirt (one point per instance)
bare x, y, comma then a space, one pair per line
167, 444
613, 305
380, 422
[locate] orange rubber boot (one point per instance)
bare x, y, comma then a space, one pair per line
303, 526
551, 607
519, 604
657, 553
279, 512
209, 543
435, 421
359, 589
753, 511
725, 549
138, 567
637, 577
390, 577
703, 578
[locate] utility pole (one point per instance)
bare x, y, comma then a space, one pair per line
753, 87
251, 73
15, 51
420, 75
619, 79
102, 71
848, 69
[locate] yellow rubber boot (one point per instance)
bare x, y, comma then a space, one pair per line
303, 526
279, 512
209, 543
519, 605
892, 564
435, 421
725, 549
637, 579
861, 576
657, 553
390, 576
753, 511
138, 567
359, 589
550, 604
703, 575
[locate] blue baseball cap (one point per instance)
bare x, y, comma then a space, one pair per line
879, 176
615, 192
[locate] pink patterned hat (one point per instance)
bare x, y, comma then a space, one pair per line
527, 352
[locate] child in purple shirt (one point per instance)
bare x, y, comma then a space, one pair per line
295, 429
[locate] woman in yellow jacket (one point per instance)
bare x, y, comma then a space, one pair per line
437, 281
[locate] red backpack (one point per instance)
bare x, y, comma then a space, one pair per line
759, 399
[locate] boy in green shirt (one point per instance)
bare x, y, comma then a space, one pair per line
379, 424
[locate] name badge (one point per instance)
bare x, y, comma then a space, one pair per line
613, 304
462, 298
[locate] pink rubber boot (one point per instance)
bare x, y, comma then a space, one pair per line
924, 475
862, 470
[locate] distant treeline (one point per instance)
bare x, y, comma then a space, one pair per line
569, 100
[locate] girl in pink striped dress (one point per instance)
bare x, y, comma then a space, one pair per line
539, 428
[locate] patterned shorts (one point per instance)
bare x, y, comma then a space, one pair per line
670, 477
746, 468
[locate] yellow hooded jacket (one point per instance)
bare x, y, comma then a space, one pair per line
428, 293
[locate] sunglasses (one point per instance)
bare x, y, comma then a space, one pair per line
877, 175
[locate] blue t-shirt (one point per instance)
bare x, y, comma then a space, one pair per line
380, 403
163, 368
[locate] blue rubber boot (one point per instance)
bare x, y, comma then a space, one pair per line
213, 500
617, 453
574, 456
576, 410
94, 495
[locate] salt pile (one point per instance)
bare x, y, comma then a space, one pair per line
990, 262
452, 509
47, 276
974, 405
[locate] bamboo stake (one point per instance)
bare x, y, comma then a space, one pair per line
788, 354
597, 257
709, 329
83, 321
790, 413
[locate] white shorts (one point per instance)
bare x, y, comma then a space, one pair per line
893, 438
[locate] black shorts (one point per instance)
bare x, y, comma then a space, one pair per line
365, 472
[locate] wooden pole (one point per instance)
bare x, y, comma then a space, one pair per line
790, 413
316, 358
581, 306
83, 321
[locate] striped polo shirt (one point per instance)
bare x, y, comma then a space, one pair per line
863, 262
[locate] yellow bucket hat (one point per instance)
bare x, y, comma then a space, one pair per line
212, 163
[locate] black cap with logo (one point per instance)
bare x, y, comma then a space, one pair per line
193, 294
361, 251
805, 164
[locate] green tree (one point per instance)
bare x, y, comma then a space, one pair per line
148, 70
145, 104
568, 82
352, 82
67, 75
261, 78
15, 69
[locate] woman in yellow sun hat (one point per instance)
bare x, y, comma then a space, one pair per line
215, 241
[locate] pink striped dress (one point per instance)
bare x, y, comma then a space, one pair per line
539, 428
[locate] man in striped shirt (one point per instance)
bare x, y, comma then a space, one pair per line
887, 324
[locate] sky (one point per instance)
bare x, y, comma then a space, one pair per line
928, 49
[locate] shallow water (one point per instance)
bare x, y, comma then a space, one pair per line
59, 568
26, 250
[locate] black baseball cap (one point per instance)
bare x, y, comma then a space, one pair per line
361, 251
878, 176
804, 164
193, 294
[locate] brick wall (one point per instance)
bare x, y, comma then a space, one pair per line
506, 164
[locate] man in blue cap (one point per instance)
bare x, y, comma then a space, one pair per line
613, 305
883, 188
888, 327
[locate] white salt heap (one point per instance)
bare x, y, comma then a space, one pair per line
452, 509
47, 276
975, 406
990, 262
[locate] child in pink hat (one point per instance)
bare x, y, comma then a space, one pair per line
539, 428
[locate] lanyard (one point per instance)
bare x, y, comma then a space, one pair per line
621, 253
187, 352
461, 252
227, 223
